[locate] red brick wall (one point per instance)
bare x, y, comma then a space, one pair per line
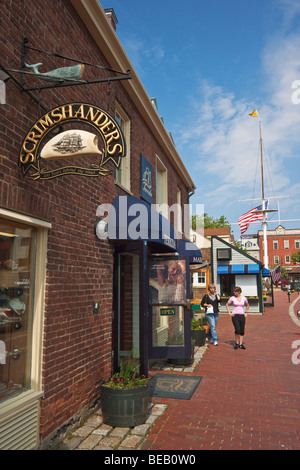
76, 342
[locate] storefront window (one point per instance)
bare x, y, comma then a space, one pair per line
16, 281
167, 278
168, 326
227, 283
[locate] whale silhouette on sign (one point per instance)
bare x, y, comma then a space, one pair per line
61, 74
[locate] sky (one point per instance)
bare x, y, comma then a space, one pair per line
209, 64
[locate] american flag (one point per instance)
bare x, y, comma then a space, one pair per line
251, 216
276, 274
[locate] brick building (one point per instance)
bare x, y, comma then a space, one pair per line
74, 285
282, 243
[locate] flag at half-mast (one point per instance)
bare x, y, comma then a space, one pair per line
255, 113
251, 216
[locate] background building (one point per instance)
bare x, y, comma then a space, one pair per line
250, 243
232, 267
282, 243
202, 274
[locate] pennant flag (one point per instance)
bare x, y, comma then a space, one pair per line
255, 113
276, 274
251, 216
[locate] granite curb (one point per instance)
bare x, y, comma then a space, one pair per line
95, 435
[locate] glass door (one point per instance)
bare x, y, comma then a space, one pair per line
169, 319
128, 305
131, 304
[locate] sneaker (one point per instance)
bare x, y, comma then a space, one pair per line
236, 346
216, 343
242, 346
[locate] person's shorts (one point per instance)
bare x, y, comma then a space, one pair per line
239, 324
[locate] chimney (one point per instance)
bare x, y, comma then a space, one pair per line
111, 16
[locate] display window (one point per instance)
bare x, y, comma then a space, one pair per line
17, 253
168, 282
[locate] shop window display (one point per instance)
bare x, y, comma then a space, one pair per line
16, 281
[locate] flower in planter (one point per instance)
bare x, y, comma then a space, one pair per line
128, 377
197, 325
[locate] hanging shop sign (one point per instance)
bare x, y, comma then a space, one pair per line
43, 143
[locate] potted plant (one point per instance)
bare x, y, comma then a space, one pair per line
198, 332
125, 397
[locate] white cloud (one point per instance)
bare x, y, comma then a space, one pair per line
224, 139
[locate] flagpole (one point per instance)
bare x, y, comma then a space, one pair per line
264, 221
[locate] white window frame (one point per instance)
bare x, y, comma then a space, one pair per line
162, 180
178, 211
196, 282
122, 174
286, 244
276, 259
35, 392
287, 259
297, 244
275, 244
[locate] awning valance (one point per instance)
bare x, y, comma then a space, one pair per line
133, 219
239, 269
187, 248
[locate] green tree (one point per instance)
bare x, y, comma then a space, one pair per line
239, 245
207, 221
296, 257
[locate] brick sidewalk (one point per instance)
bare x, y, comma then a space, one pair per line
247, 399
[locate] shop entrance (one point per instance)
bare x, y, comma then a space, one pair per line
151, 315
128, 318
130, 299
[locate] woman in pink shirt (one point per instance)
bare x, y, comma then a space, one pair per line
238, 315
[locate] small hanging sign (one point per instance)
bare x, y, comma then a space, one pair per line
37, 148
146, 180
167, 312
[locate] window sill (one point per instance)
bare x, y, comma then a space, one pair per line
123, 187
19, 402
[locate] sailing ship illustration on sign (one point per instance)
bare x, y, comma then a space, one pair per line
71, 144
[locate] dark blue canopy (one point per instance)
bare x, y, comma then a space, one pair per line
131, 218
187, 248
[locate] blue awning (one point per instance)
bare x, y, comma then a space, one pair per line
239, 269
266, 272
131, 218
187, 248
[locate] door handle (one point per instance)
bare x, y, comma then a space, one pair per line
15, 354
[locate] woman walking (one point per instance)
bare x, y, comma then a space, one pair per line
211, 303
238, 315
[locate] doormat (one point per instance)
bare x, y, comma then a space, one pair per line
173, 386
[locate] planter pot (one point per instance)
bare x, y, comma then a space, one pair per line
124, 408
199, 337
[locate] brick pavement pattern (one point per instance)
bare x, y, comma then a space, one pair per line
247, 399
